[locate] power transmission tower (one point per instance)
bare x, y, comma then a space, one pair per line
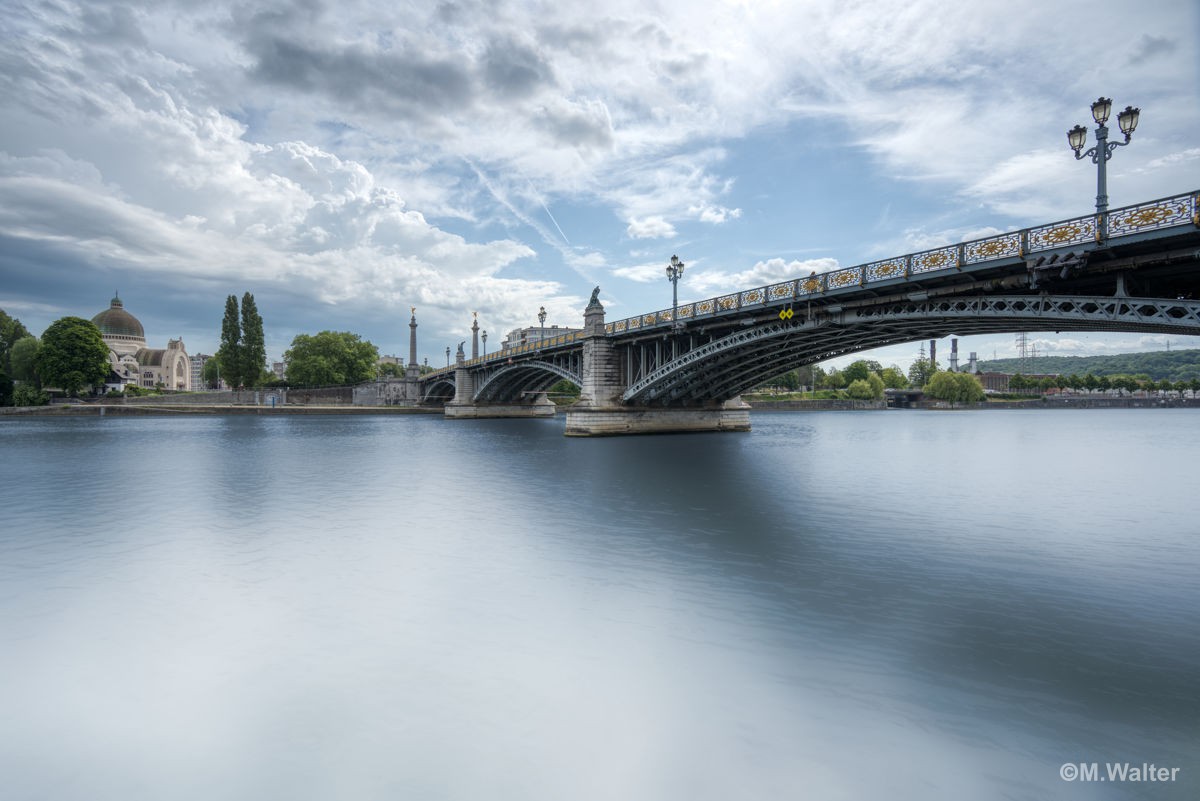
1022, 353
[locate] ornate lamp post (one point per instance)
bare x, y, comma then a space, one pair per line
542, 323
447, 355
1102, 152
674, 273
485, 342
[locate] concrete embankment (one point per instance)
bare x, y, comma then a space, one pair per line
1072, 402
813, 405
144, 410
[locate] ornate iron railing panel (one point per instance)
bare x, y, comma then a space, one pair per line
839, 279
706, 307
781, 291
1063, 234
882, 270
994, 247
941, 259
1152, 216
686, 310
753, 296
811, 285
727, 302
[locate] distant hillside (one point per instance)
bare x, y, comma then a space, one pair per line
1174, 365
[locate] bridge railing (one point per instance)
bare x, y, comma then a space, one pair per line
1169, 212
504, 354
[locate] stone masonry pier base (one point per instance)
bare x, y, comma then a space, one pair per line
542, 407
603, 421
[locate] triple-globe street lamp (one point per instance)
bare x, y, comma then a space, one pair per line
542, 323
483, 334
674, 273
1102, 152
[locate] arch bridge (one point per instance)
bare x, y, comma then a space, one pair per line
1132, 269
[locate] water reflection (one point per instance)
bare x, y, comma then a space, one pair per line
417, 607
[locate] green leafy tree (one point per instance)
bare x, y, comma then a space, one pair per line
835, 379
230, 352
857, 371
389, 370
73, 355
6, 389
29, 395
330, 358
254, 348
955, 388
921, 371
11, 330
564, 392
211, 372
23, 360
894, 378
860, 389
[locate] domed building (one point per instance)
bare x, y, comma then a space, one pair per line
131, 361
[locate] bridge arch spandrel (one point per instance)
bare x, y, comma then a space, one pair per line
514, 382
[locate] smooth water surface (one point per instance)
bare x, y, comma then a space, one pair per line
839, 605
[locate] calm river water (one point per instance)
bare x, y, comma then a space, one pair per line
838, 605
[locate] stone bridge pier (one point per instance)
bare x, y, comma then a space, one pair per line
466, 406
601, 412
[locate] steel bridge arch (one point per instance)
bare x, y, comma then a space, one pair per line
447, 381
511, 381
726, 367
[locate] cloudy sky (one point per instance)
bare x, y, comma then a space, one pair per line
345, 161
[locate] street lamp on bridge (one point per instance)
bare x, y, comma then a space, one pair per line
1102, 152
447, 355
542, 323
484, 334
674, 273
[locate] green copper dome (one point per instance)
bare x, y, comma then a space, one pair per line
115, 321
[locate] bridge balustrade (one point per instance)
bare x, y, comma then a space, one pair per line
1177, 210
1091, 229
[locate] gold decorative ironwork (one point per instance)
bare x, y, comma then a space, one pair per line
727, 302
649, 319
619, 327
994, 247
1071, 232
1176, 211
635, 322
877, 271
810, 285
706, 307
664, 316
778, 291
752, 296
844, 278
685, 311
930, 260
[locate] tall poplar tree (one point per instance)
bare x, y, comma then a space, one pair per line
230, 352
254, 348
